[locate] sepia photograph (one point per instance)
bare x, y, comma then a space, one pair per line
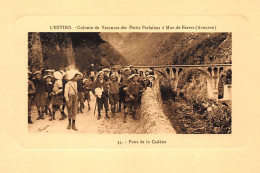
130, 82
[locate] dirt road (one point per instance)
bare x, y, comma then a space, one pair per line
86, 122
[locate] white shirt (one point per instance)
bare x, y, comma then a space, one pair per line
70, 89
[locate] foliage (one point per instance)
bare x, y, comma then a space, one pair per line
195, 113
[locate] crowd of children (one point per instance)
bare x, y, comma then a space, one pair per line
52, 91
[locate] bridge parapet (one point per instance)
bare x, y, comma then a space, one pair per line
212, 72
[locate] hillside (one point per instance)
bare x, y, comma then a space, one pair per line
172, 48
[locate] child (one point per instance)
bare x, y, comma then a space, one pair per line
80, 92
86, 90
122, 91
113, 93
49, 88
57, 93
100, 85
133, 94
41, 94
71, 97
31, 91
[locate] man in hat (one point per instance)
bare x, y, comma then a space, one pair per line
86, 90
31, 91
57, 93
80, 92
132, 71
106, 74
113, 93
49, 88
48, 72
133, 94
41, 94
102, 97
71, 97
64, 81
122, 91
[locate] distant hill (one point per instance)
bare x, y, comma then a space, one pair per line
172, 48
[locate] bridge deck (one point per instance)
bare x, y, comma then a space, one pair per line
167, 66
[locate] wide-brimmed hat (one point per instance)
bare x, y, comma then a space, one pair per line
132, 75
100, 73
58, 75
79, 73
126, 69
71, 73
113, 74
105, 69
85, 80
49, 70
37, 72
47, 76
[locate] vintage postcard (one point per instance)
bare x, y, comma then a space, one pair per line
133, 84
151, 91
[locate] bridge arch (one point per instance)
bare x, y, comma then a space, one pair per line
210, 91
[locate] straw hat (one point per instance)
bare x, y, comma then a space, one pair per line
85, 80
113, 74
37, 72
58, 75
47, 76
71, 73
100, 73
126, 69
49, 70
105, 69
132, 75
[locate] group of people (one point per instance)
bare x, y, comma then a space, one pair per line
52, 91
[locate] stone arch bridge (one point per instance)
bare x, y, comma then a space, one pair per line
212, 72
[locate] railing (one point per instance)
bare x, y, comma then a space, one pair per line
199, 65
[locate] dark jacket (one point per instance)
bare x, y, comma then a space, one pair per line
98, 84
80, 85
40, 86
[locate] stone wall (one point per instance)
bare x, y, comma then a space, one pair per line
154, 121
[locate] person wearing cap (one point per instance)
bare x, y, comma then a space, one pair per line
86, 90
49, 87
64, 81
106, 74
102, 97
31, 91
113, 93
41, 94
122, 90
80, 92
132, 71
71, 97
151, 79
57, 94
133, 94
141, 79
48, 72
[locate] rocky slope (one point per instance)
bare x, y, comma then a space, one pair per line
172, 48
